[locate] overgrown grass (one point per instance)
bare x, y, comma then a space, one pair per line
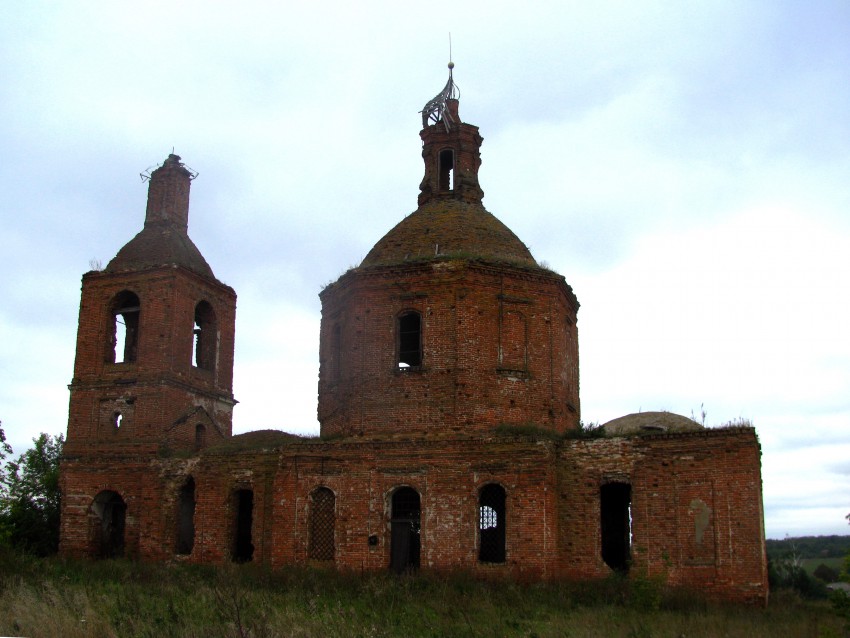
119, 598
584, 431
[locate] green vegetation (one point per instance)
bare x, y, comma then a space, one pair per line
809, 547
806, 564
29, 496
534, 431
51, 597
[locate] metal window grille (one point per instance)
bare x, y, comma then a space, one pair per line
322, 525
491, 524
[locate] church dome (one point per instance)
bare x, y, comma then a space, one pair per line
449, 227
160, 245
450, 220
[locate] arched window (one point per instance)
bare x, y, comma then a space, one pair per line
123, 328
406, 533
186, 517
322, 524
200, 437
206, 337
107, 517
447, 169
491, 524
409, 340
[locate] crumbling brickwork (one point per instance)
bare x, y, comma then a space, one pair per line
449, 410
498, 346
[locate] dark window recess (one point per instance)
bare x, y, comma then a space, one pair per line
123, 332
243, 548
409, 340
615, 509
406, 533
108, 515
186, 518
447, 169
491, 524
200, 437
322, 525
206, 336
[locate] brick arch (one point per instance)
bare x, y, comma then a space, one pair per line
205, 333
107, 517
122, 344
405, 504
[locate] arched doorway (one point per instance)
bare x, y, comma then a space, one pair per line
491, 524
243, 522
186, 517
615, 525
107, 519
406, 536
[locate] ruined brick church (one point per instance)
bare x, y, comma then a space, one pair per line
448, 401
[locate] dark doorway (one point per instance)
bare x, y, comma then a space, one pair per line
186, 518
491, 524
110, 513
615, 509
243, 548
406, 536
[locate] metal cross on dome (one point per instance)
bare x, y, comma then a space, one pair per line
436, 109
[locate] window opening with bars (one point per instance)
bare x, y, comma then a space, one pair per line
491, 524
322, 525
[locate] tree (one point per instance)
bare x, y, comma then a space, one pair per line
825, 573
29, 512
5, 450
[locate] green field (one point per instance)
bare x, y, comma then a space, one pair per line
120, 598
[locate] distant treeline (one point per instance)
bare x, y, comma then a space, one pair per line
808, 547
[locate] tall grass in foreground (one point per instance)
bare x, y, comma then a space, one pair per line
120, 598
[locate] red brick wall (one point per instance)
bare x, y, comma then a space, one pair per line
471, 314
675, 479
162, 386
552, 504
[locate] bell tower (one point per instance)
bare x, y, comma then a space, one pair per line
154, 359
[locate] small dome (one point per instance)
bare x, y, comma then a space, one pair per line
449, 227
650, 423
160, 245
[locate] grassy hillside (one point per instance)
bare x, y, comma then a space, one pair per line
118, 598
809, 547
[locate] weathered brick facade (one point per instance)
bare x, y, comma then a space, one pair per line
449, 411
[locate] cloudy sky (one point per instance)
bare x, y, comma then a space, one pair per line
683, 164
